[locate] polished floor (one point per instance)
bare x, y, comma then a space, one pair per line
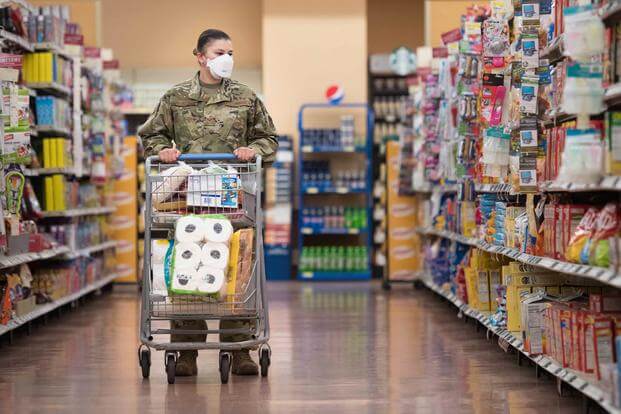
336, 349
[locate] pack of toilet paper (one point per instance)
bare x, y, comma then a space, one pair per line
200, 258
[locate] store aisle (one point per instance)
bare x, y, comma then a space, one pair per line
336, 349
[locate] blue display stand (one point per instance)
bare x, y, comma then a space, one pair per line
309, 193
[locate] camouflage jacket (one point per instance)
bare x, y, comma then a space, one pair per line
233, 117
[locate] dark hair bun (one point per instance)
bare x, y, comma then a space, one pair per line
209, 36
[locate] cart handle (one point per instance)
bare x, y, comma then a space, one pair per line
206, 157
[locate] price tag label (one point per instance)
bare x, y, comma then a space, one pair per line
349, 148
342, 190
307, 230
307, 148
353, 231
312, 190
307, 275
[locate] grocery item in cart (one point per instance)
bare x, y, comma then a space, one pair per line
201, 255
214, 186
167, 186
240, 262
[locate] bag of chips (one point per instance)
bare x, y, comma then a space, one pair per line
582, 235
597, 251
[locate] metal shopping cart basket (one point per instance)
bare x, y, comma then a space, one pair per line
172, 192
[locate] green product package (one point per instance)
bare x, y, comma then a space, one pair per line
169, 264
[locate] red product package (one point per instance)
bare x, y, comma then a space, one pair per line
566, 342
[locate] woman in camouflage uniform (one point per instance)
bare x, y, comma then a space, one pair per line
206, 114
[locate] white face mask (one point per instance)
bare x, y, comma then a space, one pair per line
221, 67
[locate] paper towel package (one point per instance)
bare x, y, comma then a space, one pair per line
240, 263
159, 279
159, 248
168, 183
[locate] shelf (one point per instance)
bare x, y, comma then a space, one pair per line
78, 212
52, 47
612, 15
600, 274
35, 172
309, 230
576, 379
315, 149
16, 40
51, 87
88, 250
558, 118
41, 310
493, 188
436, 188
18, 259
52, 130
334, 276
609, 183
334, 190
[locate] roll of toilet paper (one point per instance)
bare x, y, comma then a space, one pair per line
215, 255
218, 230
190, 229
209, 279
187, 255
184, 280
159, 248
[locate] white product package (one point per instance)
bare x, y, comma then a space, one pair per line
159, 279
209, 279
190, 229
214, 186
169, 181
215, 255
218, 230
187, 256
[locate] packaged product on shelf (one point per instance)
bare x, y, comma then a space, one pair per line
214, 186
583, 90
582, 157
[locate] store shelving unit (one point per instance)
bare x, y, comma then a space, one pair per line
18, 259
364, 155
384, 86
278, 212
77, 212
86, 251
581, 382
42, 310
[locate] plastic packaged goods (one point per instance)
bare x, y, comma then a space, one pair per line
583, 92
582, 158
584, 32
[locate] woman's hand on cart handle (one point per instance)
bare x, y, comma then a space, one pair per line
169, 155
245, 154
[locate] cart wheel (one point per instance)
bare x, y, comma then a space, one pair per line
225, 367
418, 285
385, 285
145, 361
171, 367
264, 361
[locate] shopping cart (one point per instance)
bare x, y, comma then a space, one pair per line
171, 195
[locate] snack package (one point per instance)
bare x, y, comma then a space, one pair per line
598, 252
581, 236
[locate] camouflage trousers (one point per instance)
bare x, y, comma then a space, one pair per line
201, 325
